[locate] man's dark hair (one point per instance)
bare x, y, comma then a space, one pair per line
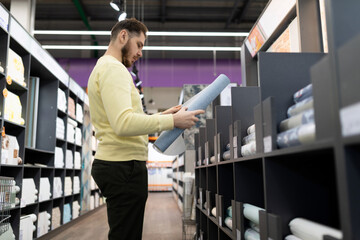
132, 25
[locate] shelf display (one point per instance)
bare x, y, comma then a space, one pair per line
15, 68
13, 108
10, 151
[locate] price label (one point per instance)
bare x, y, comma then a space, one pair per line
236, 153
350, 120
238, 234
267, 144
220, 222
219, 157
235, 141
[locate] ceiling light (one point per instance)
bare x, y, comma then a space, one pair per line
122, 16
146, 48
150, 33
115, 5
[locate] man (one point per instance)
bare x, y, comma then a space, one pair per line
122, 128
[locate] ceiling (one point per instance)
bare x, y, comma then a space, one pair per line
158, 15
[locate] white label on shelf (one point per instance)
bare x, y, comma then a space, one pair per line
219, 157
220, 222
22, 203
207, 161
350, 120
235, 142
4, 18
267, 144
236, 153
238, 234
20, 34
201, 200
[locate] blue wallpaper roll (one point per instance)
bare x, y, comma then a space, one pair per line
199, 101
302, 134
303, 93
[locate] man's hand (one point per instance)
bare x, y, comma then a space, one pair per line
186, 119
172, 110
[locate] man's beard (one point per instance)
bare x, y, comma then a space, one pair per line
125, 53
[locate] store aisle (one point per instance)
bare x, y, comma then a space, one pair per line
162, 222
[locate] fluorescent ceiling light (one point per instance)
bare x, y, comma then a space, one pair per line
150, 33
146, 48
122, 16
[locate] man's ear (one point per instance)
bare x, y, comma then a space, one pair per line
122, 36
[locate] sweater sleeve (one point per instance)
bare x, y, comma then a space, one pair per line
115, 90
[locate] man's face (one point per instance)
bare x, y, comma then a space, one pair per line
131, 52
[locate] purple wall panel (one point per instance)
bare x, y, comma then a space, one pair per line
163, 73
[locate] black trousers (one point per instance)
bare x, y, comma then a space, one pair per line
125, 186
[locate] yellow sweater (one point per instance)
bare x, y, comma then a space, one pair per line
116, 112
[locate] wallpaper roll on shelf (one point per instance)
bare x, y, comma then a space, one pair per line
254, 226
306, 229
297, 136
248, 138
251, 212
228, 222
229, 211
303, 93
297, 120
171, 142
248, 149
292, 237
250, 234
212, 159
213, 211
226, 155
302, 106
251, 129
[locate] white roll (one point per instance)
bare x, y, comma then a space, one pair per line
251, 129
309, 230
33, 217
228, 222
213, 211
292, 237
251, 212
248, 149
251, 234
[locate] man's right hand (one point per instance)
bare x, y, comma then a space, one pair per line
186, 119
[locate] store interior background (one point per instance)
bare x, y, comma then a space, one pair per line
163, 73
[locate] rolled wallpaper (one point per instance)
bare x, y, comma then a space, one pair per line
228, 222
249, 138
251, 129
212, 159
254, 226
251, 212
226, 155
303, 93
292, 237
297, 120
297, 136
299, 107
248, 149
166, 141
306, 229
213, 211
250, 234
229, 211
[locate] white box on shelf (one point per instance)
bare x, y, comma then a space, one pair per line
69, 159
29, 192
10, 150
77, 160
44, 191
59, 157
57, 188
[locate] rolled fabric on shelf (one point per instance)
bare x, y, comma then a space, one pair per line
254, 226
292, 237
171, 142
297, 136
297, 120
302, 106
248, 138
226, 155
248, 149
251, 212
251, 129
229, 211
303, 93
212, 159
213, 211
251, 234
228, 222
309, 230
